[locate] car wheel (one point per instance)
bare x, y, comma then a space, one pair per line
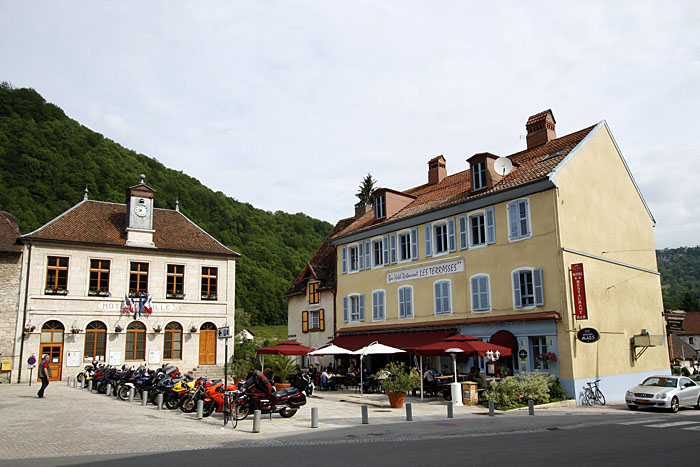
697, 405
632, 407
674, 404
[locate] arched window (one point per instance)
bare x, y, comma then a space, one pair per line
135, 341
52, 331
95, 341
173, 341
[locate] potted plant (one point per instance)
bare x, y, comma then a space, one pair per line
399, 383
282, 367
157, 328
118, 328
28, 329
210, 296
75, 330
193, 328
176, 295
98, 293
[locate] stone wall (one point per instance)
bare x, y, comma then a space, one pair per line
10, 271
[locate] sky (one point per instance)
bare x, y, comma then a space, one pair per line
287, 105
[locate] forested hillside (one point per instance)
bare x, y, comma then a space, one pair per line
47, 159
680, 277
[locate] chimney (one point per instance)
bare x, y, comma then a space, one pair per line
437, 170
361, 209
540, 129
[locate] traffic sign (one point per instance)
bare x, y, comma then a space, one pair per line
223, 332
31, 362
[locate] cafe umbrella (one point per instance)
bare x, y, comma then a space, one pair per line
375, 348
283, 348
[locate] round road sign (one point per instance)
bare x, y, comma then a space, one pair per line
31, 360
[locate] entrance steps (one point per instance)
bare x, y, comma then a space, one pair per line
207, 371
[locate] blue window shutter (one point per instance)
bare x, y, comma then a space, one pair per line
513, 220
360, 257
414, 243
490, 226
345, 259
446, 297
392, 248
438, 302
375, 305
345, 310
402, 302
474, 283
463, 233
484, 289
451, 237
524, 220
516, 289
368, 254
428, 240
362, 307
385, 247
539, 292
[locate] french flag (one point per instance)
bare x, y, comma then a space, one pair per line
128, 305
148, 307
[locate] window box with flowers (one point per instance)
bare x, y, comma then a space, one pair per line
99, 293
55, 291
175, 296
546, 360
193, 328
29, 329
118, 328
75, 330
208, 296
157, 328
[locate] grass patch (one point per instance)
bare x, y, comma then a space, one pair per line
273, 334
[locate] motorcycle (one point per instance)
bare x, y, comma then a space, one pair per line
256, 393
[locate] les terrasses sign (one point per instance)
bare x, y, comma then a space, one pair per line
426, 271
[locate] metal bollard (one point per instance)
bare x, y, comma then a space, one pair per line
90, 386
200, 410
160, 401
144, 398
256, 421
108, 393
450, 410
314, 417
131, 394
492, 407
68, 381
75, 382
365, 415
409, 413
531, 406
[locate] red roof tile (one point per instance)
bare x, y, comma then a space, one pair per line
102, 223
9, 232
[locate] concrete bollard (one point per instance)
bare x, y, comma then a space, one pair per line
450, 410
200, 410
160, 401
256, 421
365, 414
131, 394
90, 386
75, 382
68, 381
314, 417
144, 398
492, 409
108, 392
409, 413
531, 406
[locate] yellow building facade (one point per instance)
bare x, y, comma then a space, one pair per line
488, 252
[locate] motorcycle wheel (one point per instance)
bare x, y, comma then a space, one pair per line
80, 377
209, 408
287, 412
102, 388
242, 411
123, 392
188, 404
309, 390
171, 401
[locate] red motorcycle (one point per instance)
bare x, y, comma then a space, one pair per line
256, 393
214, 397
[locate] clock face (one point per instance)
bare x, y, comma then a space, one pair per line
141, 210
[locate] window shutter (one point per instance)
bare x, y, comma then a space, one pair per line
476, 305
402, 302
516, 288
428, 240
360, 257
451, 237
393, 248
374, 305
490, 226
304, 321
382, 314
463, 233
345, 310
345, 259
539, 292
321, 320
484, 291
438, 302
368, 255
414, 243
523, 207
408, 299
385, 246
513, 220
362, 307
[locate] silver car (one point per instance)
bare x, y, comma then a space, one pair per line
668, 392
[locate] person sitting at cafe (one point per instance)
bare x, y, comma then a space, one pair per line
429, 381
476, 376
327, 379
446, 371
351, 369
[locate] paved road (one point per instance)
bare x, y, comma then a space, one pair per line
71, 422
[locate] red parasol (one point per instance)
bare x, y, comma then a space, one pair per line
471, 346
285, 348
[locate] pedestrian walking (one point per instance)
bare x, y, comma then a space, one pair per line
44, 374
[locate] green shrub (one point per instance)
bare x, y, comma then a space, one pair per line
401, 380
516, 390
685, 371
556, 391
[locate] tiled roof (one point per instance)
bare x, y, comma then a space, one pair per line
528, 166
691, 323
101, 223
680, 347
322, 265
9, 231
540, 117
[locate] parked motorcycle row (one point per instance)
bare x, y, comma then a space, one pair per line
183, 392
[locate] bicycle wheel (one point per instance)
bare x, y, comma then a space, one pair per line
582, 398
599, 397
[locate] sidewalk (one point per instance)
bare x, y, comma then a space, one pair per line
71, 421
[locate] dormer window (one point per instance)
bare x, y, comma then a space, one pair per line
479, 175
380, 206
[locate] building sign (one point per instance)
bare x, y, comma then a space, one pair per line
118, 306
580, 310
73, 358
674, 324
422, 272
522, 354
588, 335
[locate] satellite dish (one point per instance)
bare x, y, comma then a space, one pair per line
503, 166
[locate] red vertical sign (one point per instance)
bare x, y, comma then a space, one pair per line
580, 310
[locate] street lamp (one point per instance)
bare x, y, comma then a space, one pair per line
493, 356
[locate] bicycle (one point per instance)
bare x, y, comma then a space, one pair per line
591, 394
229, 409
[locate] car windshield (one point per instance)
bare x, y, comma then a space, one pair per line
660, 382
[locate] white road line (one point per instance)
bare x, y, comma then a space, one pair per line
639, 422
696, 428
667, 425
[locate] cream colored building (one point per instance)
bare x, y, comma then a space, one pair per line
80, 269
492, 250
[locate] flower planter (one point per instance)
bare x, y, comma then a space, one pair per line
280, 386
396, 399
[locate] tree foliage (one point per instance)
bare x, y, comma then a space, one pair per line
366, 188
680, 277
47, 159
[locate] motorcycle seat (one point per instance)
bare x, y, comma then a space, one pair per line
285, 392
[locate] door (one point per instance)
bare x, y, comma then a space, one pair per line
207, 344
55, 352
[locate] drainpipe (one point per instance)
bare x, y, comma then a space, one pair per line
24, 315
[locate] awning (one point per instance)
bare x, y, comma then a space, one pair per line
406, 340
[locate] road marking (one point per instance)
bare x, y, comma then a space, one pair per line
696, 428
639, 422
670, 424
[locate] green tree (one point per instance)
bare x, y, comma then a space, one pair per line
366, 189
688, 303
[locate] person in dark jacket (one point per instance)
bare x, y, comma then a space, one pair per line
44, 374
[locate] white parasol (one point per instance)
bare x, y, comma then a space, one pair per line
375, 348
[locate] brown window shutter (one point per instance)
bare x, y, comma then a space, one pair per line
304, 321
321, 321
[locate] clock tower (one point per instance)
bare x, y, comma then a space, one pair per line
139, 215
